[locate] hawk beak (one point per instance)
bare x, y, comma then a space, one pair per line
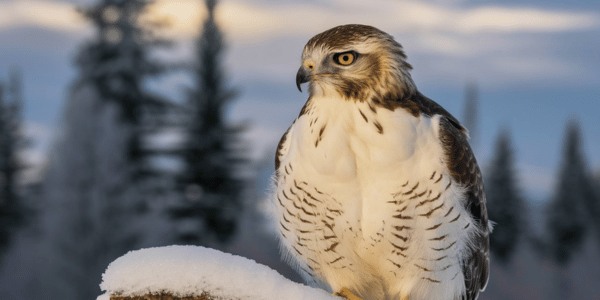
301, 77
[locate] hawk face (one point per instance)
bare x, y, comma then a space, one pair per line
356, 62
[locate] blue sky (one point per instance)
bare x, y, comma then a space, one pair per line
536, 63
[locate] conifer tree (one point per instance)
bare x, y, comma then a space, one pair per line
117, 63
210, 182
95, 182
505, 204
568, 211
11, 204
594, 204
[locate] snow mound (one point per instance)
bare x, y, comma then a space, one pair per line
190, 271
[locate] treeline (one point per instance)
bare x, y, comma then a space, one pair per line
543, 248
568, 217
558, 228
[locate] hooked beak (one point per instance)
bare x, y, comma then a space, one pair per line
301, 77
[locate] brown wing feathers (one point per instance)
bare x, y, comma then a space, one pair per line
464, 169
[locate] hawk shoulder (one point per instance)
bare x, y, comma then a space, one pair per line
282, 148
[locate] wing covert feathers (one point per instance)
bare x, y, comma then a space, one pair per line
464, 169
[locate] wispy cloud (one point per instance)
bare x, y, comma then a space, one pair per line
247, 20
45, 14
501, 19
183, 17
500, 41
484, 39
250, 20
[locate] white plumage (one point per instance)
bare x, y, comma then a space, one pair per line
367, 203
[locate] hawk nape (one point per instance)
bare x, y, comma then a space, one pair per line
378, 194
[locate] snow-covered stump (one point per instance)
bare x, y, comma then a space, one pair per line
197, 273
163, 297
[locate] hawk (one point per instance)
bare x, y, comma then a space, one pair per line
377, 192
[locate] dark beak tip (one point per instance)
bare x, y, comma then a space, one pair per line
301, 77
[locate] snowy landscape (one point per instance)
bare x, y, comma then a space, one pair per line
130, 127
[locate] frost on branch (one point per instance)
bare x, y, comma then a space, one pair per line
197, 273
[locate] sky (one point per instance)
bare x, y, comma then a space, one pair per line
536, 64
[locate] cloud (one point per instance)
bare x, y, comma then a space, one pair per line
54, 15
183, 17
255, 20
507, 43
446, 42
492, 60
501, 19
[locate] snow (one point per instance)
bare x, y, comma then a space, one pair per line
191, 270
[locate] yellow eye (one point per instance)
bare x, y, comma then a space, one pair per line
345, 58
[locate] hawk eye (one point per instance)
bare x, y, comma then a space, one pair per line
345, 58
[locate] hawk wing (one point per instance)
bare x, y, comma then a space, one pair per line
464, 169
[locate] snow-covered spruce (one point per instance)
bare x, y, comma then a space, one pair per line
190, 271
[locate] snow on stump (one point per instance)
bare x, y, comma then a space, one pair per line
197, 273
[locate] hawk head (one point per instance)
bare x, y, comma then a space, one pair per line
357, 62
